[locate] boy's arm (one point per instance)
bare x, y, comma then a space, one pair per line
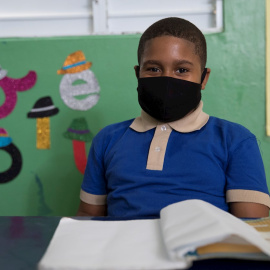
86, 209
248, 210
247, 192
93, 189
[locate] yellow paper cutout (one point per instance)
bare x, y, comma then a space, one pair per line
43, 133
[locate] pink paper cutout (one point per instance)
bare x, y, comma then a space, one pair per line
10, 87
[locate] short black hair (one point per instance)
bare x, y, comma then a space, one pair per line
176, 27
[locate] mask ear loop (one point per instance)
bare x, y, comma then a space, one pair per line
203, 74
137, 71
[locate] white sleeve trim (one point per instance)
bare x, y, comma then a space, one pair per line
93, 199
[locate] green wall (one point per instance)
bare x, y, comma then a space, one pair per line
49, 182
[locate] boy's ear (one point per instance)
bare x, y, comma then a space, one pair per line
137, 71
205, 80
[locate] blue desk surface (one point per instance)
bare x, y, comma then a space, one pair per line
23, 241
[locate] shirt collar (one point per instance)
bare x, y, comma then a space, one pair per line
191, 122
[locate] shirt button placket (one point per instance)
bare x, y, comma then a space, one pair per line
158, 147
163, 128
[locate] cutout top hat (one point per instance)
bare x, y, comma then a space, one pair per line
74, 63
43, 108
4, 138
78, 130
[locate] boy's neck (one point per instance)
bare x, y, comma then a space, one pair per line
195, 120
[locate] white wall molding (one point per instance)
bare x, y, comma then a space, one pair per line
40, 18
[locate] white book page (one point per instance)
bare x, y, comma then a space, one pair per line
193, 223
89, 244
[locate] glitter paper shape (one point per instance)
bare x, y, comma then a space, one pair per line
42, 110
4, 141
3, 73
79, 155
43, 208
79, 133
78, 130
43, 133
75, 62
3, 132
16, 157
69, 92
11, 86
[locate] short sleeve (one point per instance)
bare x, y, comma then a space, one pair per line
93, 189
246, 181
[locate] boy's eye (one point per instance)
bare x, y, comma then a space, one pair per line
153, 69
182, 70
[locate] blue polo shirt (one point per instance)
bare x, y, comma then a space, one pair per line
219, 161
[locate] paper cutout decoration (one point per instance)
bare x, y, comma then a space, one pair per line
42, 110
43, 208
11, 86
79, 133
76, 68
16, 165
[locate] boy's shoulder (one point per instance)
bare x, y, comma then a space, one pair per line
116, 127
112, 131
226, 124
231, 130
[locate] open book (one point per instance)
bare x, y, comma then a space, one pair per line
187, 230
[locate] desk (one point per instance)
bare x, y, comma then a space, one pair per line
23, 241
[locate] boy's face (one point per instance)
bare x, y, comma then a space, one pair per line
173, 57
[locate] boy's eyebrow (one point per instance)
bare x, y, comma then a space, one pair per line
177, 62
182, 62
152, 62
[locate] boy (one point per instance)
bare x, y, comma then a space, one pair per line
173, 151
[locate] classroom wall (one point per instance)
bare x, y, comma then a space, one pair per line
49, 181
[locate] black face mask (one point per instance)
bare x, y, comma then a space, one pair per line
168, 99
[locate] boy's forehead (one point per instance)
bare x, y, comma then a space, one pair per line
158, 45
